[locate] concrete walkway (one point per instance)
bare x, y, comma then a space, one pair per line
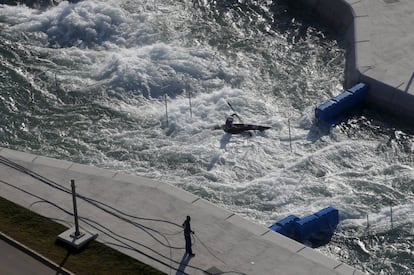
16, 259
384, 48
379, 38
384, 36
118, 206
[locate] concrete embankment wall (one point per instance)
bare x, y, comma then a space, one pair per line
341, 17
390, 99
337, 15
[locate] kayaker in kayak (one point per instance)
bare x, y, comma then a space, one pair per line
229, 122
237, 128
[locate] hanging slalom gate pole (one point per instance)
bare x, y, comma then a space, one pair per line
56, 82
392, 225
166, 109
290, 138
367, 222
189, 100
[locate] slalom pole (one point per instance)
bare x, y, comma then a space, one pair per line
290, 137
189, 100
166, 108
56, 82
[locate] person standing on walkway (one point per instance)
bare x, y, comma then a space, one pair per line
187, 236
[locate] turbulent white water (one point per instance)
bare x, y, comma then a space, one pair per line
89, 82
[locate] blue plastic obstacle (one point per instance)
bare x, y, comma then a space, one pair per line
338, 109
314, 230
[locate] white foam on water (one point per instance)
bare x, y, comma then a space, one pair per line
135, 59
106, 45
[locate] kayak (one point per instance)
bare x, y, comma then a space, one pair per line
237, 128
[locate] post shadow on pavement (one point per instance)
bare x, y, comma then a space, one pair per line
69, 251
62, 263
183, 264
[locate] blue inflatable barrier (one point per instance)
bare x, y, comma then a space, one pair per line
360, 91
313, 230
286, 226
344, 101
329, 214
325, 111
306, 226
337, 109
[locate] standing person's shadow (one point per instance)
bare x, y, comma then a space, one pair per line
183, 264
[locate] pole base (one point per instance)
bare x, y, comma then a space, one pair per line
76, 241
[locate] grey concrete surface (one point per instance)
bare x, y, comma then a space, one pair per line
17, 259
384, 47
379, 37
142, 218
384, 37
15, 262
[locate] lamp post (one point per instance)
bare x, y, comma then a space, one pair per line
73, 236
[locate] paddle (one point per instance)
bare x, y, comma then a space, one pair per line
235, 114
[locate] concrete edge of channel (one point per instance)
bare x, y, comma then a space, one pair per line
35, 255
260, 230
